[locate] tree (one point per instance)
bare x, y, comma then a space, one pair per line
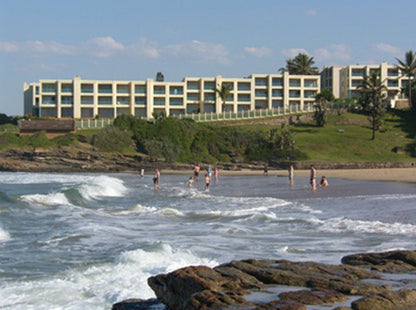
408, 68
224, 92
321, 105
373, 92
302, 64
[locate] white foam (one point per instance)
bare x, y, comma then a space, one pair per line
343, 224
4, 235
98, 287
102, 186
52, 199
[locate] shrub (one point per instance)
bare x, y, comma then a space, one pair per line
113, 139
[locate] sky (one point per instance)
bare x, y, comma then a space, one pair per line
135, 39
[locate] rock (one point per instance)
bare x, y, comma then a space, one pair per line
403, 299
393, 261
282, 305
139, 304
313, 297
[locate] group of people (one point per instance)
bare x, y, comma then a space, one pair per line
207, 176
323, 183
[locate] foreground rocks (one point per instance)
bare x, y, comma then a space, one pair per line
359, 284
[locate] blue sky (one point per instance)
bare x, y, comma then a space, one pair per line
133, 40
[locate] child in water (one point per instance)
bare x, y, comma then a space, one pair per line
324, 182
207, 182
190, 182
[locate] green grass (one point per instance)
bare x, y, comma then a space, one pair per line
338, 141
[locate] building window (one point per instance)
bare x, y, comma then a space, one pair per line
261, 93
261, 82
209, 97
392, 72
123, 100
244, 98
277, 82
87, 88
294, 83
294, 93
176, 90
192, 97
139, 100
277, 93
105, 100
159, 90
67, 100
392, 83
67, 112
123, 89
87, 112
310, 83
357, 72
87, 100
176, 101
309, 94
193, 85
244, 86
48, 100
277, 104
106, 113
37, 90
209, 85
105, 88
49, 112
140, 89
66, 88
159, 101
49, 88
123, 111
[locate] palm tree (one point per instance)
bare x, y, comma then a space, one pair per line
372, 94
302, 64
224, 92
408, 68
321, 101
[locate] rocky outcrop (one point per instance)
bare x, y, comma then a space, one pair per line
228, 286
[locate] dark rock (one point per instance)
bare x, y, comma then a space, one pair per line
393, 261
313, 297
282, 305
403, 299
139, 304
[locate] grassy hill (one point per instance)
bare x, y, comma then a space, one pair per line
346, 138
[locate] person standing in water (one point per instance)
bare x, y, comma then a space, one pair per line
216, 174
197, 168
291, 174
156, 179
313, 177
207, 182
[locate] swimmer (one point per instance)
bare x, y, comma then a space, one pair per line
324, 182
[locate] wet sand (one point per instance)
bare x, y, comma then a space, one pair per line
381, 174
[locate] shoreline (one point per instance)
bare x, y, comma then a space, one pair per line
407, 175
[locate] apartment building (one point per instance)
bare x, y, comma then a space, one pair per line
79, 98
345, 81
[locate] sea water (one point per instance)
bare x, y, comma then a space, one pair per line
86, 241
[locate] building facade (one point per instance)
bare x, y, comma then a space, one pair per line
345, 81
79, 98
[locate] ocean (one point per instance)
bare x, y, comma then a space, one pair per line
87, 241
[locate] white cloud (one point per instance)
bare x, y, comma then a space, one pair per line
258, 51
144, 48
198, 51
387, 48
9, 47
101, 47
337, 52
292, 52
311, 12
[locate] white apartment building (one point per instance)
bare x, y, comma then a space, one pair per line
79, 98
344, 81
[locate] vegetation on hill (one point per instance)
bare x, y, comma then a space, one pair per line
345, 137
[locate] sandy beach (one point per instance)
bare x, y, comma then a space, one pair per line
380, 174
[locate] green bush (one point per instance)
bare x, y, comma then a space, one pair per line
113, 139
38, 139
9, 139
64, 140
